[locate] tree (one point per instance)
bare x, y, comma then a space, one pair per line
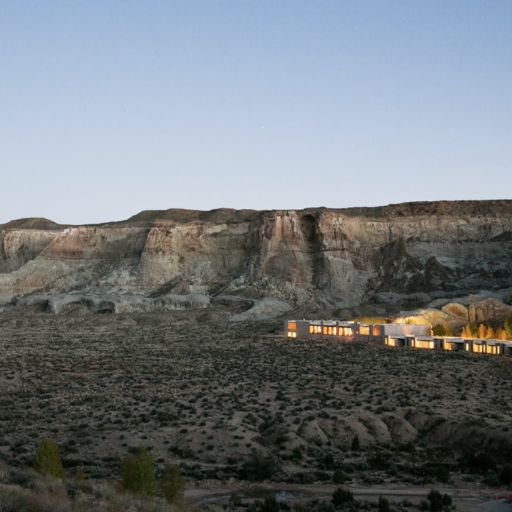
355, 444
491, 333
469, 331
47, 461
482, 331
501, 334
341, 496
508, 327
171, 485
138, 474
439, 330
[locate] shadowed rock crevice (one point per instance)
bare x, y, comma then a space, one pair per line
314, 247
399, 271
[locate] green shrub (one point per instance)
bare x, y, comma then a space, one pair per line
47, 461
138, 474
341, 497
171, 485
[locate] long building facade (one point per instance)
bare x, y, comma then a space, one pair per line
394, 335
351, 330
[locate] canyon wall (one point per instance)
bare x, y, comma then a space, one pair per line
408, 253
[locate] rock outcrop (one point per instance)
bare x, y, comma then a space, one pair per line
407, 254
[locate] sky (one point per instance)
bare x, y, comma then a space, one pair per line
111, 107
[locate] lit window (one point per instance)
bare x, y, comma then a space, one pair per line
424, 344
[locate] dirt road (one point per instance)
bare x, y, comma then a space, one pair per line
465, 499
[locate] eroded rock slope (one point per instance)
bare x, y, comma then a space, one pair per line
409, 253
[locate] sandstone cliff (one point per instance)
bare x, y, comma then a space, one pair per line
409, 254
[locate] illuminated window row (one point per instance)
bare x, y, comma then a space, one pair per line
425, 344
329, 330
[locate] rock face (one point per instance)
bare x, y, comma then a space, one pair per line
409, 253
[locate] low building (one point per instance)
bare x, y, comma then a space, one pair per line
351, 330
394, 335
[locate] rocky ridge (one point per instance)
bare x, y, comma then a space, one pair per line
404, 255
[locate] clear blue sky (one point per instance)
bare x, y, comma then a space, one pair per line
111, 107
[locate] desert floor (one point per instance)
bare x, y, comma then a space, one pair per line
238, 401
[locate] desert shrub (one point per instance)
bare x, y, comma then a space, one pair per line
505, 475
258, 467
327, 462
379, 460
296, 454
235, 500
439, 502
442, 474
11, 501
492, 479
138, 474
342, 497
269, 505
478, 462
171, 485
339, 476
383, 504
47, 461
